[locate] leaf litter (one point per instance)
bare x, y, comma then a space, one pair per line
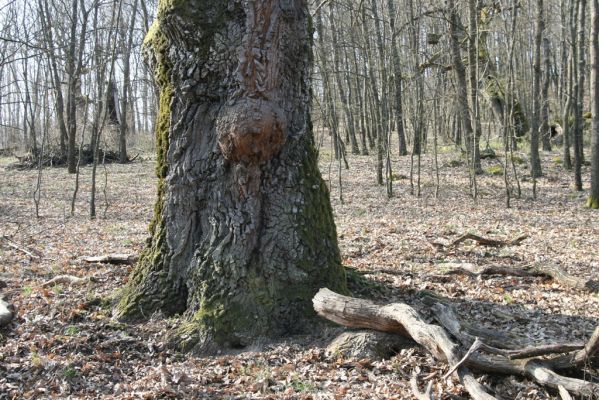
64, 344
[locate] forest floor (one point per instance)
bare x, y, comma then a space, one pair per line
63, 343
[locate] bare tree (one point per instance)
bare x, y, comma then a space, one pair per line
593, 201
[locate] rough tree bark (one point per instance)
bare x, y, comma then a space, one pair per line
455, 28
398, 81
593, 201
535, 159
243, 234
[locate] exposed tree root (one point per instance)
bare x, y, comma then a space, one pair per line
404, 320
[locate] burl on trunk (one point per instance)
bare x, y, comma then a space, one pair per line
243, 234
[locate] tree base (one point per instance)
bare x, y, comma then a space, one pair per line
593, 202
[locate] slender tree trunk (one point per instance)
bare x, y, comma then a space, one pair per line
593, 201
399, 119
473, 60
71, 91
361, 95
568, 83
349, 117
579, 97
330, 113
383, 139
243, 235
455, 28
47, 27
124, 125
545, 132
535, 160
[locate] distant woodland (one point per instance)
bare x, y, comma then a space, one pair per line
391, 77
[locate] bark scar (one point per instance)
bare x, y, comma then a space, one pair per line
251, 131
251, 126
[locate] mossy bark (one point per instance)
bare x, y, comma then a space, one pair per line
243, 234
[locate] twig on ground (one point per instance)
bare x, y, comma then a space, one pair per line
428, 393
488, 242
22, 249
549, 270
68, 279
475, 346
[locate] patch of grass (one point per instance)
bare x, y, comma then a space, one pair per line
557, 160
69, 372
325, 153
360, 212
507, 299
454, 163
495, 170
36, 360
518, 160
55, 268
71, 331
302, 386
27, 290
127, 242
58, 289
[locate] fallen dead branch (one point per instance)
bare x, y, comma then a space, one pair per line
539, 370
67, 279
552, 271
403, 319
489, 242
579, 358
22, 249
127, 259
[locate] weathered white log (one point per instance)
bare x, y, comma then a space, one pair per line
128, 259
399, 318
564, 393
67, 279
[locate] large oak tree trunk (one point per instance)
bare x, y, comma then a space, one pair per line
243, 234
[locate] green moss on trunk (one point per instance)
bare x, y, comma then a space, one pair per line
136, 300
593, 202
